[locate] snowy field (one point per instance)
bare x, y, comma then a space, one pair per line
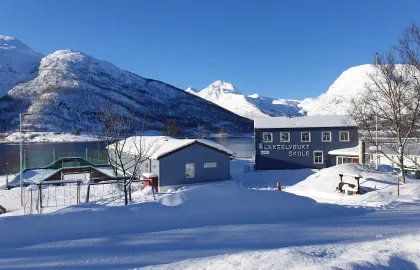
243, 223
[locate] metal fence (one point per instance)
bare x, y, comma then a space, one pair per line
95, 157
50, 196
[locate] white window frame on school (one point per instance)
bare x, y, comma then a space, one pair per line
288, 136
322, 136
271, 134
348, 136
322, 156
302, 134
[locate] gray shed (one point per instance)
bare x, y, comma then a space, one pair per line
180, 162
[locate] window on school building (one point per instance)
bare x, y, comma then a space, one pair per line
190, 170
318, 157
305, 136
344, 136
326, 136
284, 136
267, 137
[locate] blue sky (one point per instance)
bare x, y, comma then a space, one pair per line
282, 49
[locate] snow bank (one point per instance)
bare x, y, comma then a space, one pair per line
266, 179
394, 253
380, 186
204, 205
229, 204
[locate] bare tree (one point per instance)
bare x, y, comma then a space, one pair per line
409, 49
125, 152
222, 137
392, 100
171, 128
203, 131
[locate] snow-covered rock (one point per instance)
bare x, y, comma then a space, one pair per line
226, 95
17, 63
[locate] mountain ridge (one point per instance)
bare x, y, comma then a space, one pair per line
68, 88
229, 97
17, 63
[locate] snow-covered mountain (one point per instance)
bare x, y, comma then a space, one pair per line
18, 63
227, 96
66, 89
336, 100
350, 84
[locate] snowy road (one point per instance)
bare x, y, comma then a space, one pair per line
125, 249
229, 225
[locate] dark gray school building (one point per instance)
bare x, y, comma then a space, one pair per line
180, 162
303, 142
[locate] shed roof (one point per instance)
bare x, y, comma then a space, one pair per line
352, 151
315, 121
155, 147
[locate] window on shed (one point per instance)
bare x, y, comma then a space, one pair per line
326, 136
343, 160
285, 136
267, 137
344, 136
190, 170
305, 136
318, 157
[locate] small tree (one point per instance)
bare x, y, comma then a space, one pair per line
203, 131
392, 100
222, 137
171, 128
126, 154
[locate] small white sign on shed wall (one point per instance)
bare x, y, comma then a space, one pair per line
210, 165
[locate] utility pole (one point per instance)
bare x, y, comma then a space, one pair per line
376, 128
20, 160
376, 142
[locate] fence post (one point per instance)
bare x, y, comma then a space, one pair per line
153, 190
129, 192
78, 192
40, 198
87, 193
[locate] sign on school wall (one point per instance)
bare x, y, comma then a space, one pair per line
295, 150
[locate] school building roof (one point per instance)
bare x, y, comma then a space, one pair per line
316, 121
